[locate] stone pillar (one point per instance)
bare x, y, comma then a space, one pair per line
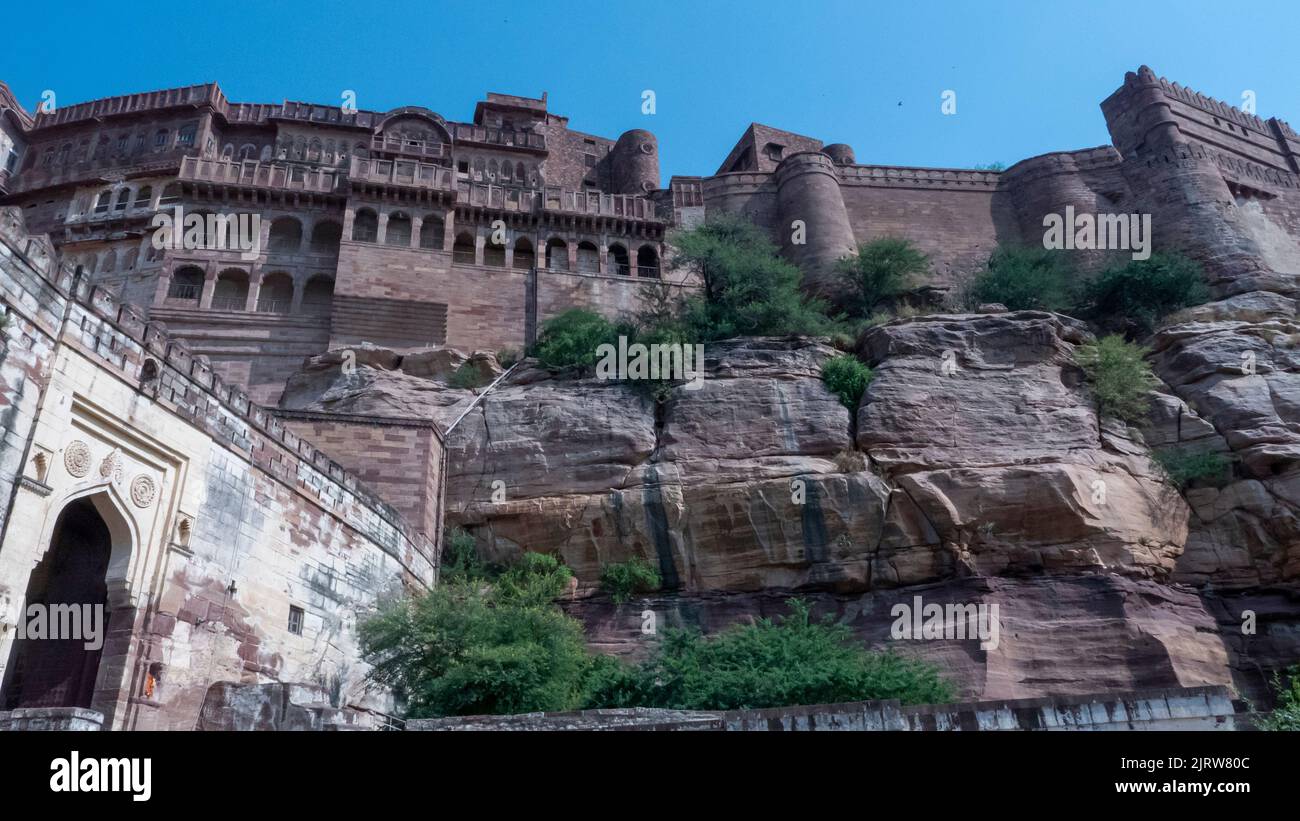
295, 305
254, 288
209, 285
480, 241
349, 216
417, 227
449, 230
383, 228
572, 247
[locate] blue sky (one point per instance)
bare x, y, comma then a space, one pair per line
1028, 75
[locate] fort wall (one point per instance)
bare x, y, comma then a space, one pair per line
223, 521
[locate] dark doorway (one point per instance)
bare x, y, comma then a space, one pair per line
60, 671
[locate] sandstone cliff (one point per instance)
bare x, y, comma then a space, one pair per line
974, 471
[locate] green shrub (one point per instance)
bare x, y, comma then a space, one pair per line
847, 378
880, 270
460, 559
1183, 467
772, 663
747, 289
1025, 278
469, 647
466, 377
1131, 298
1286, 712
1120, 377
622, 580
568, 342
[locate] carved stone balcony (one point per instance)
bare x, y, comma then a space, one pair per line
270, 175
404, 173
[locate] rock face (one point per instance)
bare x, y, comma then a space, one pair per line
368, 380
1235, 366
734, 486
975, 471
984, 423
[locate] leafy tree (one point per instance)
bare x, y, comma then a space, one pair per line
772, 663
622, 580
746, 288
1025, 278
1120, 377
847, 378
460, 559
1132, 297
471, 647
880, 270
568, 342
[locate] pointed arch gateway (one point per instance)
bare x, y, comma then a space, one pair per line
70, 596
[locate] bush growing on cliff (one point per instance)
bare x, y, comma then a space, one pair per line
1132, 297
747, 289
771, 663
1120, 377
471, 646
847, 378
1184, 467
1025, 278
622, 580
881, 270
568, 342
1286, 712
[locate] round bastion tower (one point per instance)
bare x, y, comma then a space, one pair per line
814, 226
634, 163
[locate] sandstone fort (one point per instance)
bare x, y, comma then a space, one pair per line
236, 456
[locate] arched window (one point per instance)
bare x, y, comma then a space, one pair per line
589, 258
432, 232
365, 226
187, 285
647, 262
617, 260
110, 262
129, 260
228, 151
463, 250
104, 201
520, 173
318, 296
160, 138
144, 196
123, 199
494, 254
557, 255
186, 135
171, 193
525, 257
231, 292
398, 231
285, 236
325, 237
492, 169
89, 265
276, 294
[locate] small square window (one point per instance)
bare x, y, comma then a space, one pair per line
295, 620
